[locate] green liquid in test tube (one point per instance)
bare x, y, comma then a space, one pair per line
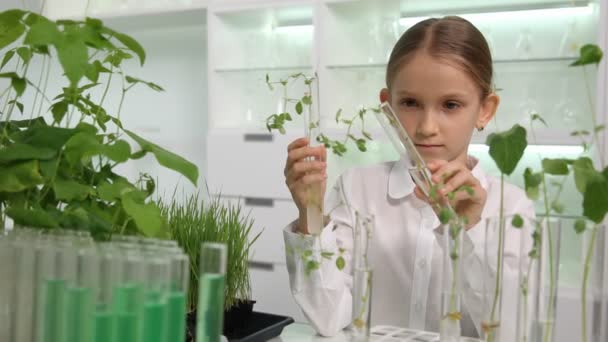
176, 313
103, 330
211, 307
155, 313
78, 314
127, 304
211, 292
53, 300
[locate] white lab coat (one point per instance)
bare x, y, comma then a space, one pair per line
405, 254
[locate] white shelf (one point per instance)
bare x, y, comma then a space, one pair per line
265, 69
134, 16
563, 60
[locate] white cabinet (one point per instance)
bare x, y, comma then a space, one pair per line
270, 217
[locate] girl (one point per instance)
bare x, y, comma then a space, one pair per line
439, 82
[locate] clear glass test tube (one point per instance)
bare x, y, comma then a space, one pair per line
210, 311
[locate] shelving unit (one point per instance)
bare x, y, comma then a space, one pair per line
347, 44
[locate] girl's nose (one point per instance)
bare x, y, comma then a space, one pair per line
427, 123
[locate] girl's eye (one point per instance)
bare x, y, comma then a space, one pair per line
409, 103
451, 105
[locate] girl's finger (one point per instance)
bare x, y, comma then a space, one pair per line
435, 164
299, 169
300, 142
298, 154
461, 178
446, 171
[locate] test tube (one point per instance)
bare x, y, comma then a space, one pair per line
7, 277
177, 297
128, 297
80, 296
211, 292
155, 305
110, 273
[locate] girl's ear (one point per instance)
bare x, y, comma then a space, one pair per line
385, 95
488, 109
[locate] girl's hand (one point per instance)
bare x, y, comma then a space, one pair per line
301, 173
458, 186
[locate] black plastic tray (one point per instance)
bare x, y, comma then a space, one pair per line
261, 327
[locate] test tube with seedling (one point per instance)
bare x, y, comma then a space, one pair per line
210, 311
453, 225
362, 272
314, 207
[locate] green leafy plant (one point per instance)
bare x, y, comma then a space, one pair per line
506, 149
193, 222
58, 153
592, 183
277, 121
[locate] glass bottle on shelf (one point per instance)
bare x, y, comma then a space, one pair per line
569, 45
565, 108
523, 47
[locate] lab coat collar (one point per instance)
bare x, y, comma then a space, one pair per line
400, 184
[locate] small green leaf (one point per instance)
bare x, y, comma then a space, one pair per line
119, 152
557, 207
19, 151
580, 226
311, 266
167, 159
18, 104
327, 255
589, 54
59, 109
128, 42
445, 215
299, 108
32, 217
507, 148
25, 54
307, 253
19, 177
73, 55
338, 114
599, 128
151, 85
307, 100
7, 58
10, 27
112, 191
531, 182
469, 190
43, 32
584, 172
18, 84
451, 195
537, 117
45, 136
558, 167
340, 263
595, 205
517, 221
147, 216
69, 190
361, 145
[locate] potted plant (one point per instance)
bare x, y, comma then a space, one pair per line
192, 222
58, 153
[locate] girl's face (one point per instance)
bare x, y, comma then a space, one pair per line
439, 105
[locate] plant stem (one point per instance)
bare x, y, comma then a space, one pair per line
46, 82
584, 285
547, 333
501, 230
593, 117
